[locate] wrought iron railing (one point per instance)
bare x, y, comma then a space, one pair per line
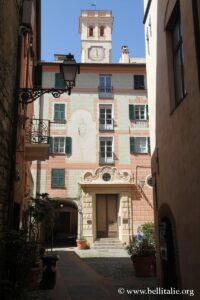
105, 92
37, 131
106, 124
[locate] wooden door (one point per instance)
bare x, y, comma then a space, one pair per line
106, 206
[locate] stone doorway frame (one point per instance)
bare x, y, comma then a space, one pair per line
120, 183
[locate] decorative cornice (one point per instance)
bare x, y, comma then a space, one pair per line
116, 176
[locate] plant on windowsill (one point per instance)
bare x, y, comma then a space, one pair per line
142, 250
82, 243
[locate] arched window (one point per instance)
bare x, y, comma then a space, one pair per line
101, 30
91, 31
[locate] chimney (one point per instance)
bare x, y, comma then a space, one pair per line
125, 55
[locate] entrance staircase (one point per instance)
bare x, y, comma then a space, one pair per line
107, 243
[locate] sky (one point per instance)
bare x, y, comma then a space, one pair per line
60, 21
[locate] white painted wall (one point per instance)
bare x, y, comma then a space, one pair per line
151, 64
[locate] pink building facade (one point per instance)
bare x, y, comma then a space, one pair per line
99, 159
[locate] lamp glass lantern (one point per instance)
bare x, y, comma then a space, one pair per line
69, 68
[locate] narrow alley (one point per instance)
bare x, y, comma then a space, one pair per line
96, 275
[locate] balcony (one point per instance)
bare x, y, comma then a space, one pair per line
106, 125
105, 92
140, 124
37, 132
106, 158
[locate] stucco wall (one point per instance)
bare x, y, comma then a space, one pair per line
82, 124
178, 143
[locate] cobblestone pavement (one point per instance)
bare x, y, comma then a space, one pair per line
87, 276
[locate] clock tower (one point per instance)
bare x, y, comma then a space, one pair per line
95, 27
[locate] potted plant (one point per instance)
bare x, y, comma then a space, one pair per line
20, 259
82, 243
142, 250
43, 212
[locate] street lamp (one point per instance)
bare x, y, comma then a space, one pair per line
69, 68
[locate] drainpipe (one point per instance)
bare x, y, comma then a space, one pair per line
38, 172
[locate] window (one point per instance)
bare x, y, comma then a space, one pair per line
106, 150
139, 145
91, 31
59, 81
138, 112
59, 112
139, 82
105, 117
57, 177
101, 30
106, 177
174, 27
196, 13
105, 86
60, 145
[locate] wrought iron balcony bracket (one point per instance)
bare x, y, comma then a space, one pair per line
29, 95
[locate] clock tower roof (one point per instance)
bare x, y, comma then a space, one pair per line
91, 16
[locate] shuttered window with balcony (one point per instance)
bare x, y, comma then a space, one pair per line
105, 86
106, 155
60, 145
105, 117
138, 112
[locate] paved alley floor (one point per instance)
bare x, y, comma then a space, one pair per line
89, 275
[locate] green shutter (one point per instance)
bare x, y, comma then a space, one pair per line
131, 112
59, 112
50, 142
54, 177
149, 145
59, 81
62, 177
62, 111
132, 144
56, 111
68, 145
58, 178
147, 112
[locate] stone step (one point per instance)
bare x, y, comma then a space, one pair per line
107, 247
107, 243
107, 239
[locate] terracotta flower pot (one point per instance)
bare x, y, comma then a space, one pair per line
81, 244
142, 265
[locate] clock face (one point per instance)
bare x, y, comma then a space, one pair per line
96, 53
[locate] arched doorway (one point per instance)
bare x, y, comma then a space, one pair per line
168, 254
65, 226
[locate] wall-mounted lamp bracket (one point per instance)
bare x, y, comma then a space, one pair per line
29, 95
